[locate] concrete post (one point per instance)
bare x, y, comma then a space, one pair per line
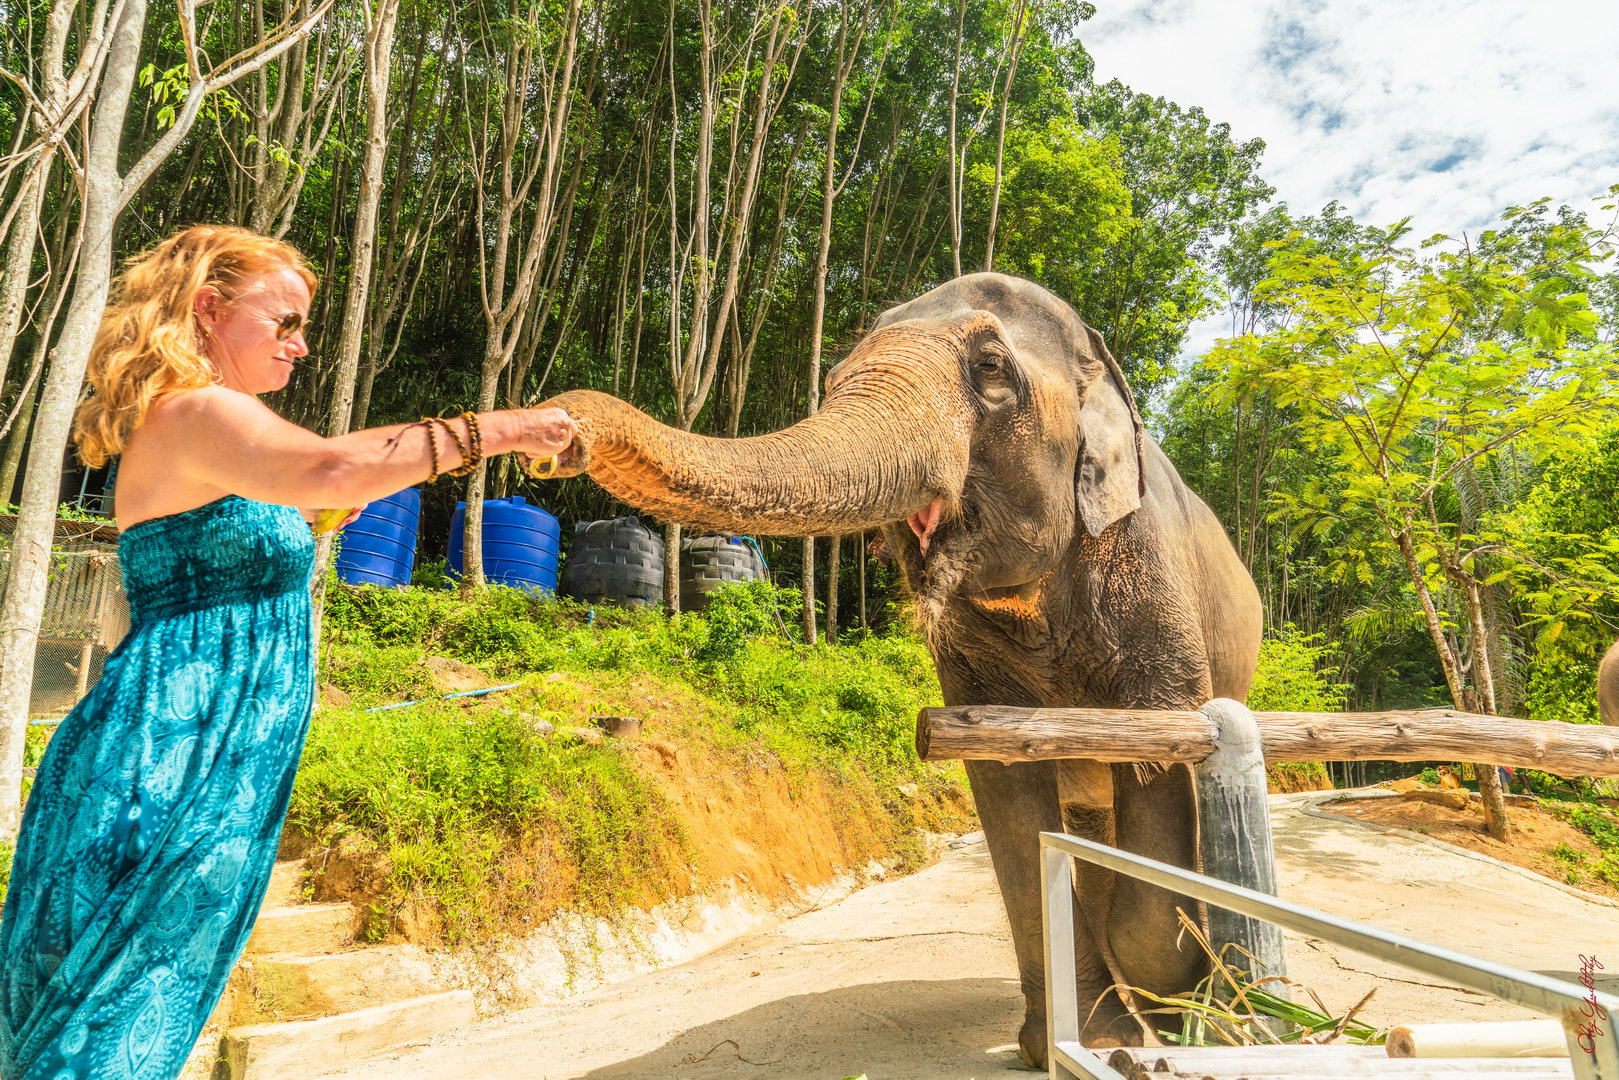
1234, 835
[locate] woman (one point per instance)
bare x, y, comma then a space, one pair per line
149, 838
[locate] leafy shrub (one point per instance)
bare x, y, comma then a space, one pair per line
445, 796
1295, 674
1603, 828
466, 809
743, 610
431, 574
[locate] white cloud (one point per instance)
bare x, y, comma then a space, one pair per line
1445, 112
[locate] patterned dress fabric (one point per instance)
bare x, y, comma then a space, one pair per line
152, 828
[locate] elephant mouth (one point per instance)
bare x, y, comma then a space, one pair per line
925, 522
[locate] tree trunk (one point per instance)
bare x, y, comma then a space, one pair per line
472, 527
36, 522
20, 255
16, 441
860, 561
379, 46
834, 546
671, 566
808, 564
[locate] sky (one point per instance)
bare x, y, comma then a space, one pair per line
1446, 111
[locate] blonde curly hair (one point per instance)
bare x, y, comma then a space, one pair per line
149, 343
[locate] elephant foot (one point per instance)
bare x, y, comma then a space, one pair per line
1031, 1042
1107, 1028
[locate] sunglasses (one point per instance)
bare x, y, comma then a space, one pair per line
285, 325
289, 324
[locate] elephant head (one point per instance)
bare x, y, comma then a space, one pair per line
1056, 557
984, 415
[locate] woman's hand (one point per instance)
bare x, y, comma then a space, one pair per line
546, 433
354, 515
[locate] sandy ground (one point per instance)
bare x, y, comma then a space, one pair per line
914, 978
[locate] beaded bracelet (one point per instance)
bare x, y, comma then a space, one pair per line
471, 449
432, 444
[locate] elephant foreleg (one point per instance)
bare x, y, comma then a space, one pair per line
1156, 817
1015, 804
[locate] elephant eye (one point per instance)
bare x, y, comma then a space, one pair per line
991, 361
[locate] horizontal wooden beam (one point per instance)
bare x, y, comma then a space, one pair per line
1004, 733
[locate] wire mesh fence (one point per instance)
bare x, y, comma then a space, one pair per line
86, 613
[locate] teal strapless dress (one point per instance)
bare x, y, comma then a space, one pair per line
148, 840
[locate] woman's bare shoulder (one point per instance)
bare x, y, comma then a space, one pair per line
204, 402
201, 420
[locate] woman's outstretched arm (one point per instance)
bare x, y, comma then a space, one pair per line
221, 439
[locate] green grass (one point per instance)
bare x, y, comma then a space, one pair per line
33, 749
467, 807
469, 810
1602, 826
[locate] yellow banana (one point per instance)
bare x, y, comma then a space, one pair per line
327, 520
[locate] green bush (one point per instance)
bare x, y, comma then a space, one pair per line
457, 805
444, 796
743, 610
1295, 674
1602, 827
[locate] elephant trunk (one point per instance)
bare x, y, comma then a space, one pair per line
891, 439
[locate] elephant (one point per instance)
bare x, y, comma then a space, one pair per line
1608, 685
1055, 558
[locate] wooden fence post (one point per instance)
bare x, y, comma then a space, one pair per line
1234, 836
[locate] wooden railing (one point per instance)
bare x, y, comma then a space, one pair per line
1003, 733
1227, 747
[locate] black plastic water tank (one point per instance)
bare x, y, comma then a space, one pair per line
707, 562
616, 561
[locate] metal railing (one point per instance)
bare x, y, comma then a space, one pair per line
1593, 1058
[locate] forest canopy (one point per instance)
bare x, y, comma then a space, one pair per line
699, 207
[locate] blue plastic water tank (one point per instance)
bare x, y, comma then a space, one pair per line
519, 544
380, 547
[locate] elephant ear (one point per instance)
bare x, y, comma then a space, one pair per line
1112, 463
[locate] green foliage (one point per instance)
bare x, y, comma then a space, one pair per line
1423, 381
1295, 674
1601, 825
447, 796
453, 802
743, 610
1566, 533
1189, 184
431, 574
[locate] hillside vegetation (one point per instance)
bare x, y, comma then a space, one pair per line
462, 820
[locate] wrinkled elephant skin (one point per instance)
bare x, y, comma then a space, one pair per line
1056, 557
